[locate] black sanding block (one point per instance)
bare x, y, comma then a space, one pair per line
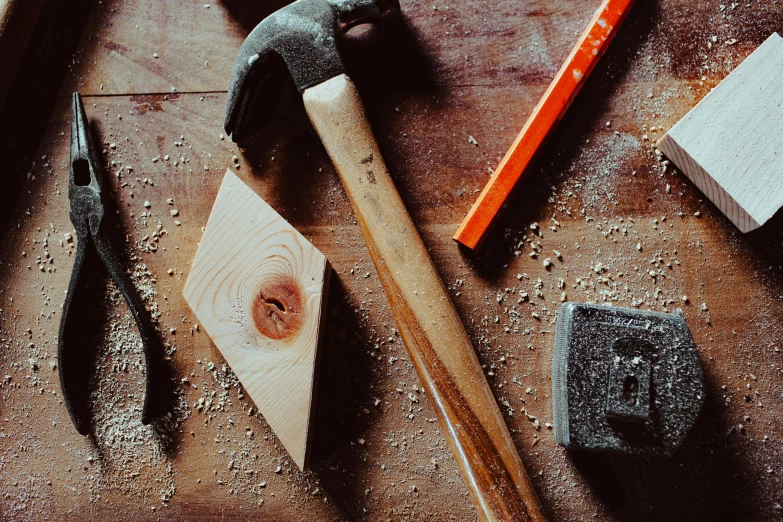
623, 380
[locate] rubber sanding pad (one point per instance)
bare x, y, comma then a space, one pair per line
623, 380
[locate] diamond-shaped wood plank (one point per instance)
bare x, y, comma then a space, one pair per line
259, 289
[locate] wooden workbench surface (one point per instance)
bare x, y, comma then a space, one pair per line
449, 73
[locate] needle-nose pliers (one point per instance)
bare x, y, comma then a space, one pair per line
92, 247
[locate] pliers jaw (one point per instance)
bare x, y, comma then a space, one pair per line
84, 185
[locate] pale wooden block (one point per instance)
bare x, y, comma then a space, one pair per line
731, 144
259, 289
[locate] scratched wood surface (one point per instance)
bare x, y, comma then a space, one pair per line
630, 229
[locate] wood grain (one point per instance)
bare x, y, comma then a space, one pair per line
432, 331
198, 48
729, 144
561, 92
404, 469
259, 288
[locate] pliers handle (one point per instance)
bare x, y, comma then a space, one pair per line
74, 352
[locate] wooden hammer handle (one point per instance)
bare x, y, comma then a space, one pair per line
438, 344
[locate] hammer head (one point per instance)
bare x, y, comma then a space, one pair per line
304, 36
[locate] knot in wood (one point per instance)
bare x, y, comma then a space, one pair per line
277, 309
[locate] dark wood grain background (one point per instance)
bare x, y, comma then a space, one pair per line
441, 73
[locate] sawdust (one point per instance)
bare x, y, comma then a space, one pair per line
382, 454
611, 255
128, 457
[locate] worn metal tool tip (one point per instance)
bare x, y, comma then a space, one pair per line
79, 128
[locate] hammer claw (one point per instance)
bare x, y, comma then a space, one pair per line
254, 92
303, 35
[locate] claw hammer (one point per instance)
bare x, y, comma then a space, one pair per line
304, 36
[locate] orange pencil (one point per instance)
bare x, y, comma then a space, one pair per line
558, 97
